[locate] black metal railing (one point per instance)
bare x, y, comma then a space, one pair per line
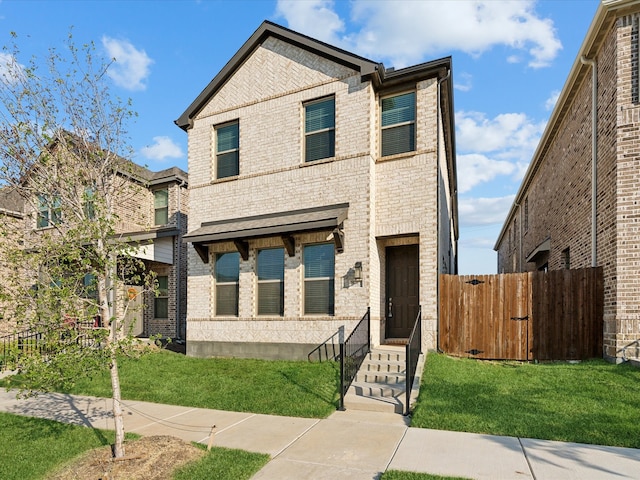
329, 349
352, 352
414, 349
34, 341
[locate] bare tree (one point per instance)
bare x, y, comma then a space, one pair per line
63, 149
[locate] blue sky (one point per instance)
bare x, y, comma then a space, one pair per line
510, 61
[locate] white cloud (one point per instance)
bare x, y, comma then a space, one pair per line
10, 70
406, 31
131, 67
474, 169
315, 18
552, 100
162, 149
480, 212
506, 131
463, 82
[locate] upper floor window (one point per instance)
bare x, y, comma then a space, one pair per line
271, 281
227, 275
398, 124
319, 278
319, 129
161, 206
49, 211
228, 150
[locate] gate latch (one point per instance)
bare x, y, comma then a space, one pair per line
526, 317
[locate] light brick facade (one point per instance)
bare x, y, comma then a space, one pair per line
550, 223
391, 201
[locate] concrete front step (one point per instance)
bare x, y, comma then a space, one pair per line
380, 383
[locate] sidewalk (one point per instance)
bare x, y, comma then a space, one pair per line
351, 444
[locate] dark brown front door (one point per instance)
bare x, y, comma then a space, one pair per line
402, 289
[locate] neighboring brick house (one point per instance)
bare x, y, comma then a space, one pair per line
577, 176
12, 217
324, 184
152, 214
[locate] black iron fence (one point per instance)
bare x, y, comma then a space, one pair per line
352, 352
414, 349
37, 342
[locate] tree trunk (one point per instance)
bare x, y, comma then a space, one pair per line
118, 447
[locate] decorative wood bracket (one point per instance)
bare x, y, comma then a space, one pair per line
338, 239
243, 248
202, 251
289, 244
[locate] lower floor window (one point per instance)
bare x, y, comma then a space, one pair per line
271, 281
319, 279
161, 303
227, 275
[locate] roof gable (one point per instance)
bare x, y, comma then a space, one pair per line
268, 29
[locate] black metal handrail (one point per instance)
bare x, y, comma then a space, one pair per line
329, 349
414, 349
352, 352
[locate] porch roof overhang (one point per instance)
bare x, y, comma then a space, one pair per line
283, 224
539, 250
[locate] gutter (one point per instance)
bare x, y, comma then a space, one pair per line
594, 157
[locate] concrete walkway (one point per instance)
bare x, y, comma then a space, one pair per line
352, 444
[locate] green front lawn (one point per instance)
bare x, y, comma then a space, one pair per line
33, 447
298, 389
589, 402
400, 475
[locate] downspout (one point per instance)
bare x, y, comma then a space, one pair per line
594, 156
439, 207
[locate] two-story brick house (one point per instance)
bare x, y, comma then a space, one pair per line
152, 213
578, 205
321, 184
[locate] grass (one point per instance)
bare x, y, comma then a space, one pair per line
223, 464
400, 475
33, 446
298, 389
589, 402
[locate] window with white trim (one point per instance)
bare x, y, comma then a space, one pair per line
319, 268
49, 211
228, 150
398, 124
161, 206
227, 276
270, 267
319, 129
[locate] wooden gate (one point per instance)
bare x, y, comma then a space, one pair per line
554, 315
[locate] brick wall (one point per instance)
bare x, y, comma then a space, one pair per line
559, 196
390, 201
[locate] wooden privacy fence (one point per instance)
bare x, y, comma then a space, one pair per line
555, 315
